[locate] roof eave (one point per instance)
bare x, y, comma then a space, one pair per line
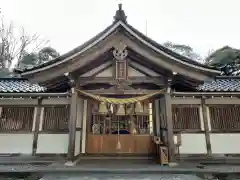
112, 28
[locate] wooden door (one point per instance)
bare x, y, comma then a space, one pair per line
105, 134
123, 144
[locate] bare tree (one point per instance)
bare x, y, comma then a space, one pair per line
15, 42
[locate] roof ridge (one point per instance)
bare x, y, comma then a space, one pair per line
13, 78
227, 77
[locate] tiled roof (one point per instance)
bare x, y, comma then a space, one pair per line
14, 85
222, 84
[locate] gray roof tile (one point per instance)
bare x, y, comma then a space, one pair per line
224, 84
221, 84
14, 85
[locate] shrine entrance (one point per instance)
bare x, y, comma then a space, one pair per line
120, 128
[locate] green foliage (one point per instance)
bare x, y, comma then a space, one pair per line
5, 73
29, 60
183, 50
227, 59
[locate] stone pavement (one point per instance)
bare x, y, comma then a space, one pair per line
120, 177
117, 170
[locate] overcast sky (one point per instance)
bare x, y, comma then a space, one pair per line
202, 24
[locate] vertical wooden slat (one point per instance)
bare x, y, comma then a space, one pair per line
72, 125
17, 119
225, 117
206, 127
157, 117
41, 119
201, 118
84, 125
168, 109
36, 128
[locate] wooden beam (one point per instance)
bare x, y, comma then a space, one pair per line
139, 68
132, 80
222, 100
171, 148
56, 101
98, 65
186, 100
139, 61
18, 101
37, 116
72, 124
207, 94
125, 92
206, 127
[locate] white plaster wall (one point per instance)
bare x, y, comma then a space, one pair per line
52, 143
225, 143
193, 144
78, 143
16, 143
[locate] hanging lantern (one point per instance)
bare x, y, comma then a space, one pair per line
138, 108
121, 110
102, 108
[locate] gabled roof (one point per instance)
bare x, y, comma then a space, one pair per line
120, 24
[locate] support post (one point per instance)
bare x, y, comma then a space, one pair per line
156, 115
37, 116
72, 124
168, 114
206, 127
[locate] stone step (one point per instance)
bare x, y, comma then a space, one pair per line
116, 157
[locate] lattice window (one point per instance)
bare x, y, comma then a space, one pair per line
126, 124
225, 117
16, 119
56, 118
186, 118
100, 124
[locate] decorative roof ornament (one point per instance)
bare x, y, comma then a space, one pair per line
120, 14
120, 52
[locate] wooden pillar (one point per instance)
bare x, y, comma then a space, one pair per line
156, 117
78, 142
36, 124
72, 124
206, 127
168, 116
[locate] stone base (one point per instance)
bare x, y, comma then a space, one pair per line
70, 163
173, 164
